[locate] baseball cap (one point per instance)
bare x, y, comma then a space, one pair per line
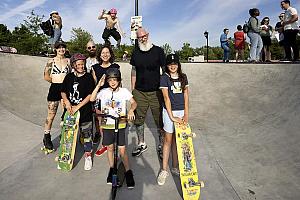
172, 58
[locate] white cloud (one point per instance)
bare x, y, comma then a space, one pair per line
19, 10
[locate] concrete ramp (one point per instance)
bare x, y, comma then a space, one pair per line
246, 118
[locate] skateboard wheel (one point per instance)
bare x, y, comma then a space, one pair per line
194, 135
201, 184
56, 159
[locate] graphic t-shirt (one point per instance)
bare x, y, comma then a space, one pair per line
113, 103
174, 90
77, 89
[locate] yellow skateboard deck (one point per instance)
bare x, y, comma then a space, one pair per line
68, 141
187, 163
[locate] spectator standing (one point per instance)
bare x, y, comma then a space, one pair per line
225, 44
266, 33
239, 43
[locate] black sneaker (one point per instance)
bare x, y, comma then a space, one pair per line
160, 152
129, 179
139, 149
109, 177
47, 141
96, 138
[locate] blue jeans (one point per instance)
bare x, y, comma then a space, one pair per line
226, 52
56, 36
256, 45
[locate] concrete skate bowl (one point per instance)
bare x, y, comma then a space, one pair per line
246, 118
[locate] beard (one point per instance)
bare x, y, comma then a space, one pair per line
145, 46
92, 54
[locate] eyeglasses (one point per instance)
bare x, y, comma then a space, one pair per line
92, 47
139, 37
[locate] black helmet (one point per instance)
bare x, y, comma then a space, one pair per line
113, 73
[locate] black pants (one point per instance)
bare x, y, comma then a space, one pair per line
111, 32
290, 42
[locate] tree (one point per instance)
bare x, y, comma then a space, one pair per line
167, 48
5, 35
78, 41
186, 51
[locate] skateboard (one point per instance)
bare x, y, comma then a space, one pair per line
66, 151
187, 163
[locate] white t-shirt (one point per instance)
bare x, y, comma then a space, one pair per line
287, 16
113, 103
89, 63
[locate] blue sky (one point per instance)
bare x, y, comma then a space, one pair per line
168, 21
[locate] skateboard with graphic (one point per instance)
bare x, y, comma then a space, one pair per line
190, 183
67, 147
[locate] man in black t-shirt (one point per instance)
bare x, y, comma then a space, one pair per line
76, 91
147, 61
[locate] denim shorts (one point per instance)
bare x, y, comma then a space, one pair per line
168, 123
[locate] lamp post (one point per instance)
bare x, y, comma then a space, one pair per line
206, 35
136, 13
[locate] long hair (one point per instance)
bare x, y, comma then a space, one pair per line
181, 76
112, 55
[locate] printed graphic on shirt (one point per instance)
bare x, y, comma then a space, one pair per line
176, 87
75, 96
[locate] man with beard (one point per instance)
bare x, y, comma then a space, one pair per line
91, 60
147, 60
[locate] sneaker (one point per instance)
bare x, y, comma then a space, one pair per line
96, 138
139, 149
101, 151
109, 176
88, 163
129, 179
175, 171
161, 179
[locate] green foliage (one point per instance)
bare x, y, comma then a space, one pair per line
5, 35
167, 48
78, 41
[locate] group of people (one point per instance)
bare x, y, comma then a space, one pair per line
260, 34
93, 85
112, 27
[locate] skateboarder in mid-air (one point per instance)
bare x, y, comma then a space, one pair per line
112, 27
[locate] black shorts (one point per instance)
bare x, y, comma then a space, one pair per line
111, 32
54, 92
266, 40
109, 136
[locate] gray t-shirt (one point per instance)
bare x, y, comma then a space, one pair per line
174, 90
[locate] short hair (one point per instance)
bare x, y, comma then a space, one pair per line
239, 27
225, 29
286, 1
252, 11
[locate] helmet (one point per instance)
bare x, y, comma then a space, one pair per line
172, 58
113, 11
77, 56
113, 73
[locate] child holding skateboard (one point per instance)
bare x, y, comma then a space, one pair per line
174, 86
76, 91
113, 102
112, 27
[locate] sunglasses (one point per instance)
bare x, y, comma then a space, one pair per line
280, 16
92, 47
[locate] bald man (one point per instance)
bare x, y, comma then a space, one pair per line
91, 60
147, 61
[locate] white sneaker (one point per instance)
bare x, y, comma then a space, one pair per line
161, 179
88, 163
175, 171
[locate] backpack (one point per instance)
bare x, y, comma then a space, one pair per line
47, 28
246, 27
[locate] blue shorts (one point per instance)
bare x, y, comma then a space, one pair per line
168, 123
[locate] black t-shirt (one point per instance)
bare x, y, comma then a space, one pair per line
175, 92
77, 89
99, 71
147, 65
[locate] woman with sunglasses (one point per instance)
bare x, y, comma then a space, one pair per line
266, 33
279, 29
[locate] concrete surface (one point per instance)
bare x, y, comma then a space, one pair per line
247, 147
